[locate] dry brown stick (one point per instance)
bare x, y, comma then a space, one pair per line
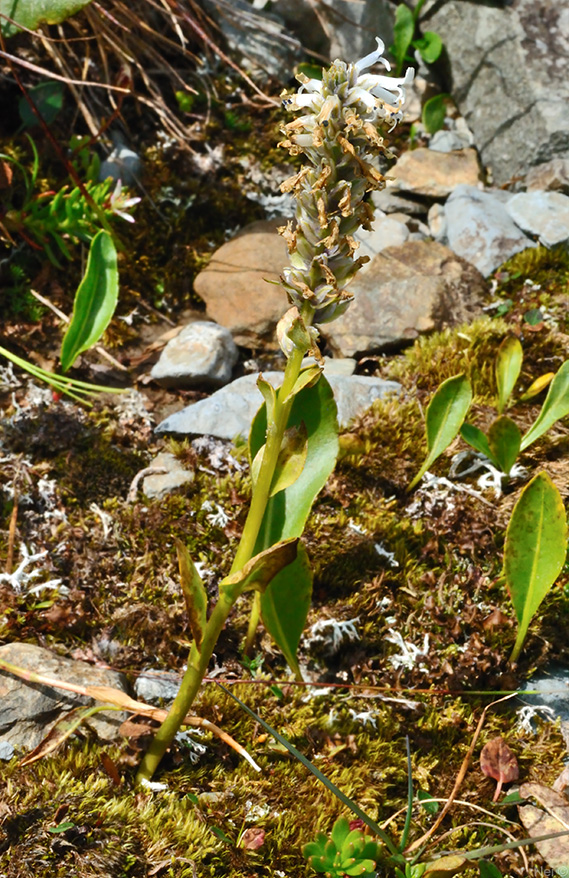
12, 527
459, 778
109, 695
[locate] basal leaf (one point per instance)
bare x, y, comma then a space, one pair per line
507, 368
488, 870
535, 550
194, 593
403, 31
285, 605
434, 113
95, 300
445, 415
556, 406
430, 46
31, 13
504, 439
477, 439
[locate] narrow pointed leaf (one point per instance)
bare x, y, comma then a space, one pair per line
258, 572
307, 378
291, 459
95, 300
194, 593
535, 549
285, 605
269, 395
444, 418
504, 439
555, 407
477, 439
508, 367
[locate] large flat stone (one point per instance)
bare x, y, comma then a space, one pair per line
435, 174
229, 412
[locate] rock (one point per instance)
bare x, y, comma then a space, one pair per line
447, 141
202, 353
334, 365
552, 175
508, 69
156, 687
122, 163
259, 37
480, 229
551, 698
434, 174
230, 411
389, 200
545, 214
27, 710
437, 222
387, 232
158, 485
234, 285
342, 29
419, 287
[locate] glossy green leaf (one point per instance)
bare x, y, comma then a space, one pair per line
340, 831
434, 113
194, 593
430, 46
403, 31
31, 13
488, 870
477, 439
555, 407
95, 300
285, 605
504, 439
535, 550
291, 459
261, 569
444, 417
287, 511
507, 369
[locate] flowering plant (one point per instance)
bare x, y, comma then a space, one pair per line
293, 443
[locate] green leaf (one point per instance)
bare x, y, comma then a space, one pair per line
445, 415
434, 113
488, 870
430, 46
269, 395
555, 407
62, 827
95, 300
285, 605
291, 459
535, 550
31, 13
194, 593
258, 572
307, 378
504, 439
403, 31
477, 439
287, 511
340, 831
48, 99
507, 368
425, 800
446, 867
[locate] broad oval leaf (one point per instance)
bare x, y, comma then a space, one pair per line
535, 550
31, 13
446, 867
488, 869
555, 407
403, 31
477, 439
430, 46
194, 593
95, 300
285, 605
445, 415
434, 113
504, 439
507, 368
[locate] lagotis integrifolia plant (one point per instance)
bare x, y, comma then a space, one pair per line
293, 443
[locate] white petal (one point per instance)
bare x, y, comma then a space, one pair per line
311, 101
312, 85
361, 94
370, 59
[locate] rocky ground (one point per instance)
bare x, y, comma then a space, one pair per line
410, 629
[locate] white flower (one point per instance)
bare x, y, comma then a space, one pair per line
119, 204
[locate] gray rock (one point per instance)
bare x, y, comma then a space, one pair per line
552, 695
545, 214
28, 709
552, 175
447, 141
390, 200
508, 69
158, 485
386, 232
433, 174
156, 687
202, 353
230, 411
122, 163
480, 229
437, 222
334, 365
419, 287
